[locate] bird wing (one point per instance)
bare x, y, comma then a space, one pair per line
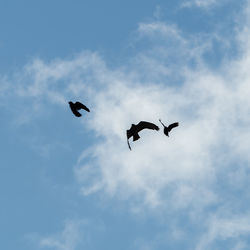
79, 105
135, 129
129, 133
142, 125
173, 125
76, 113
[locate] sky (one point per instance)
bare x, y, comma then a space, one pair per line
71, 183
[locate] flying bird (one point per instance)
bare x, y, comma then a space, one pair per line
168, 128
77, 106
135, 129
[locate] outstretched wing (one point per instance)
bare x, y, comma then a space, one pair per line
173, 125
129, 134
142, 125
79, 105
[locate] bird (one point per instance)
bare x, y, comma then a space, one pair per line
168, 128
135, 129
77, 106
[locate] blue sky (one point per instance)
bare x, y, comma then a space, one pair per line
71, 183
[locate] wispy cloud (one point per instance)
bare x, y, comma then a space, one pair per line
69, 239
168, 79
74, 234
224, 228
205, 4
203, 101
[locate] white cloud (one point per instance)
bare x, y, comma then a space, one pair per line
168, 41
179, 170
69, 239
75, 234
170, 80
221, 228
157, 12
205, 4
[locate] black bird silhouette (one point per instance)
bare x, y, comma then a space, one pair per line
77, 106
135, 129
169, 128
